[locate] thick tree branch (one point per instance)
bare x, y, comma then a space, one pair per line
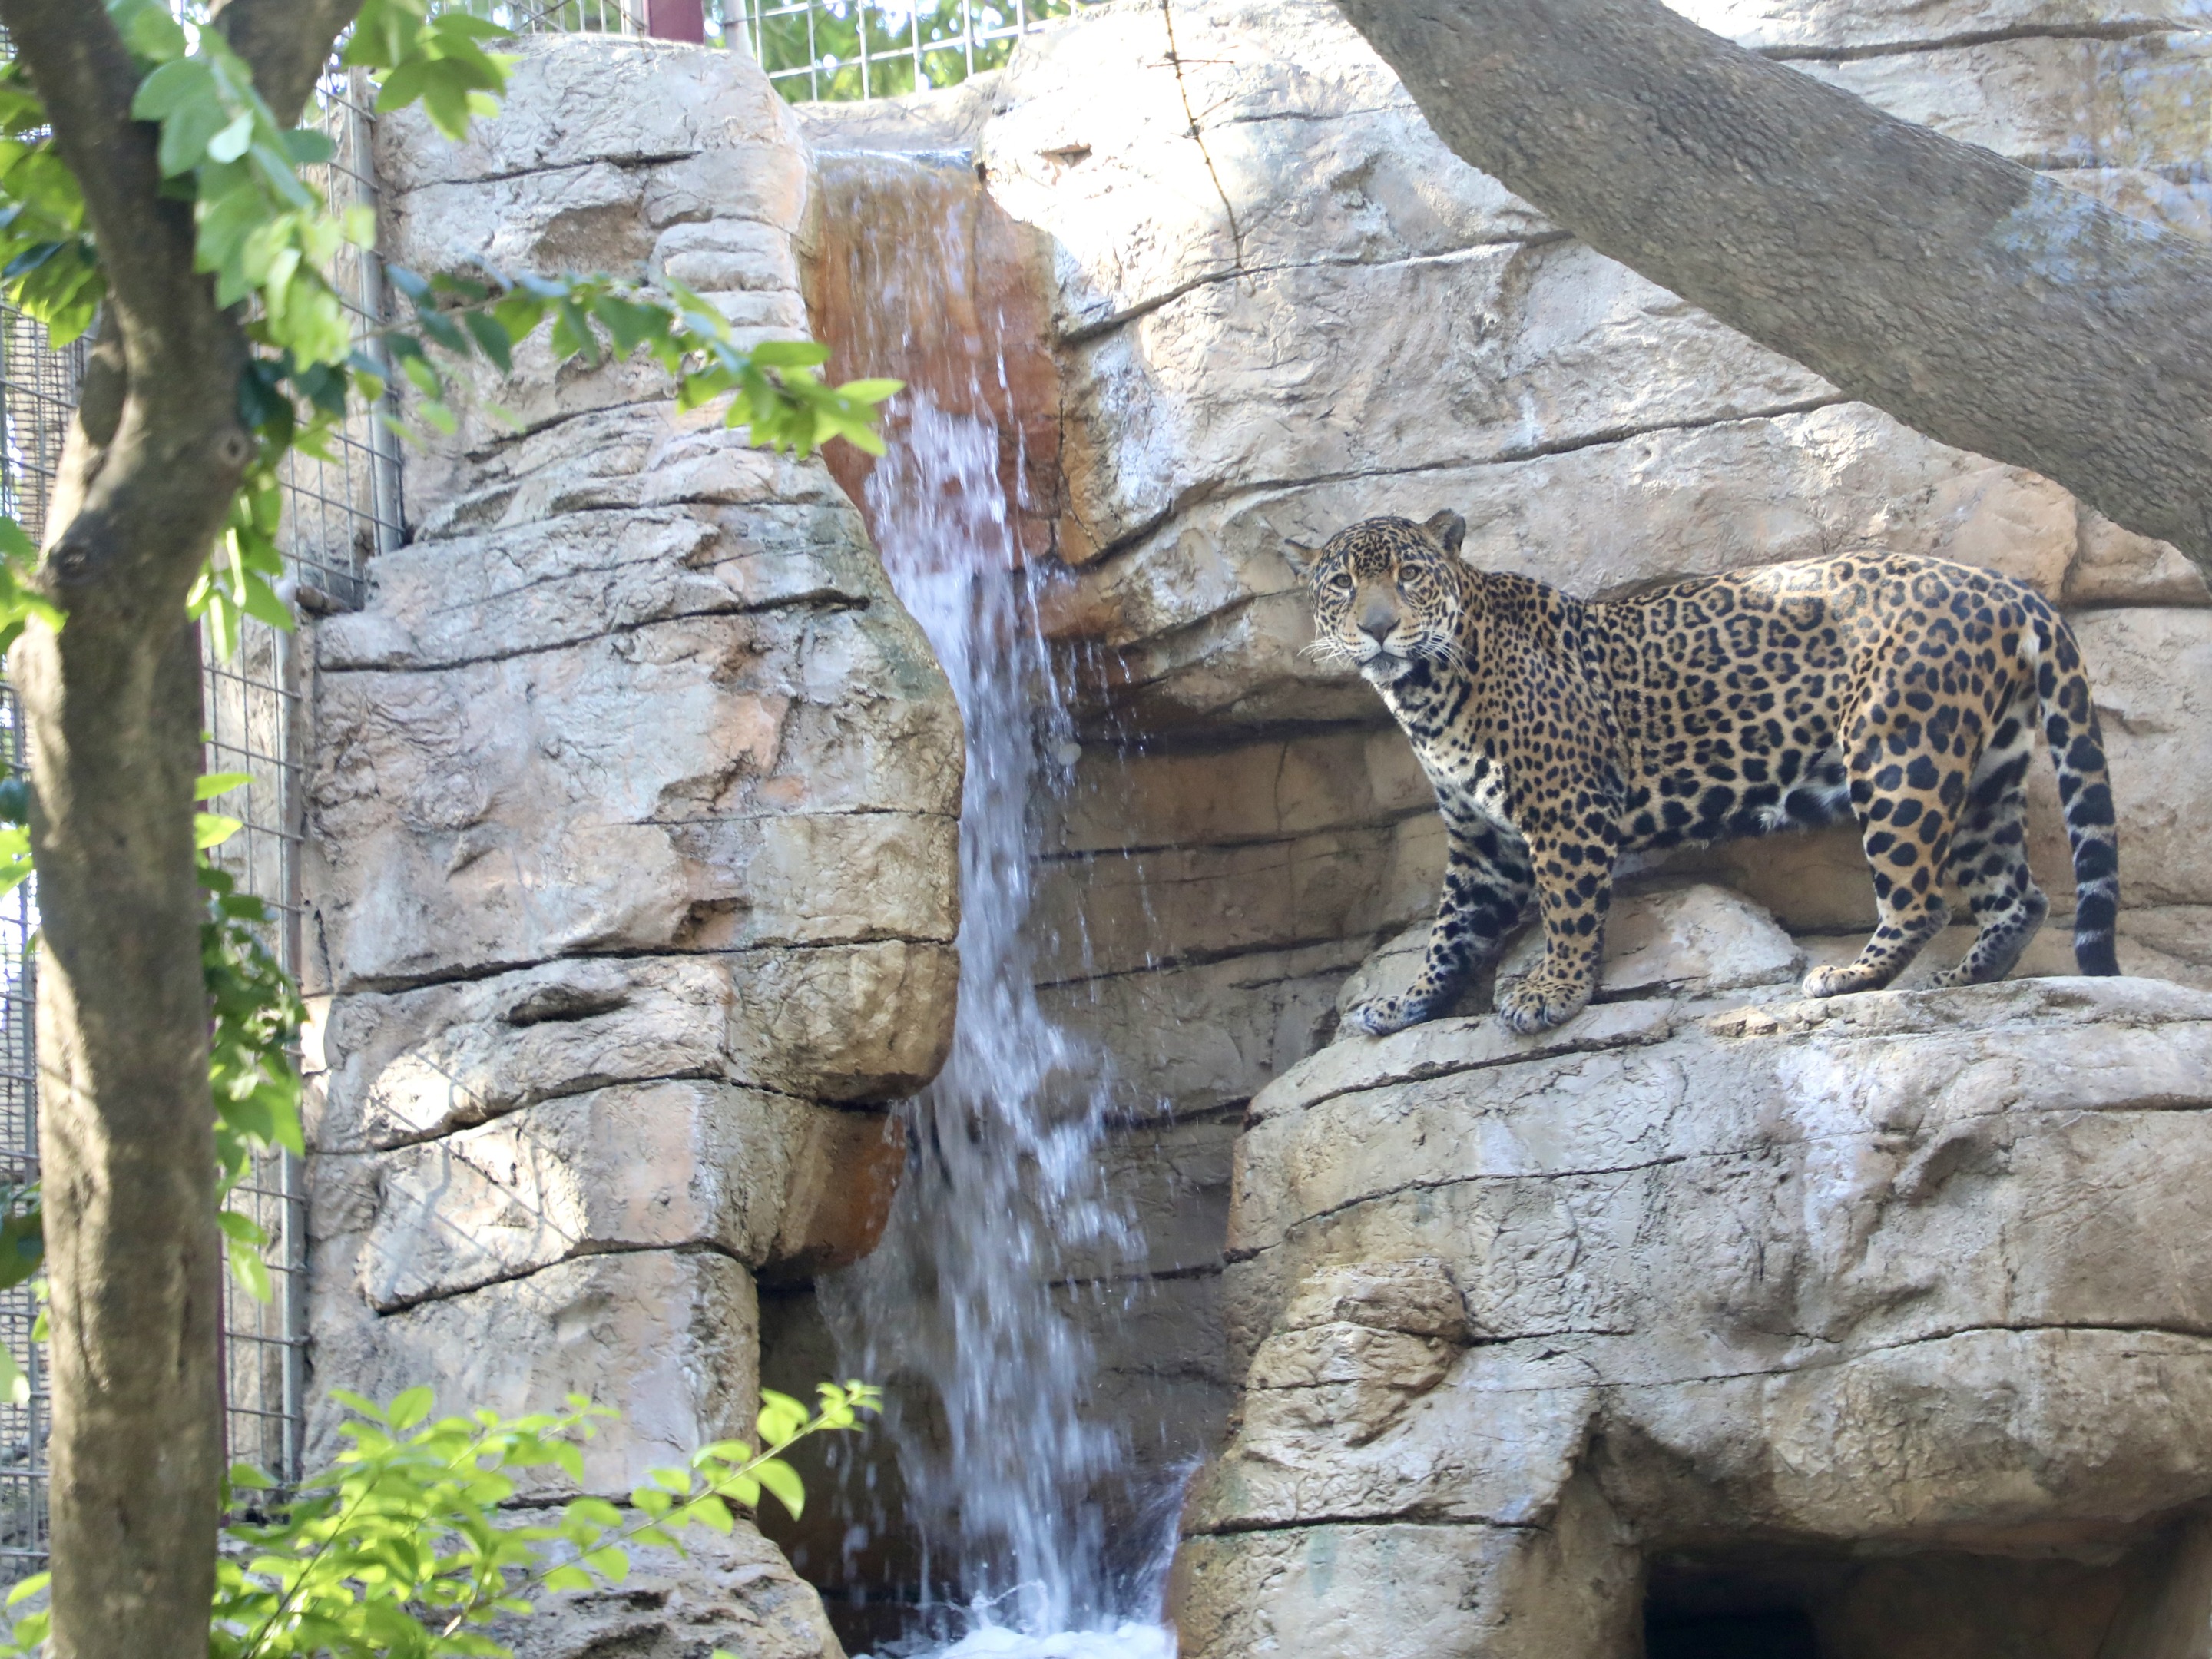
285, 43
139, 500
1973, 300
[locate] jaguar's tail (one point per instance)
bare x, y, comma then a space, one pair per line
2084, 792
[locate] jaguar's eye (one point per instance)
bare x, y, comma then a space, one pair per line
1341, 583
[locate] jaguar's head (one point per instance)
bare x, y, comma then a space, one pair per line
1387, 593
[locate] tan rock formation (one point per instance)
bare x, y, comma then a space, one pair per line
1310, 312
634, 795
1902, 1273
632, 847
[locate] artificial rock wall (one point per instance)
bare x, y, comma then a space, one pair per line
631, 836
1310, 312
633, 823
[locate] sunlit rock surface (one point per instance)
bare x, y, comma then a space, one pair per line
1700, 1276
633, 799
1311, 312
631, 846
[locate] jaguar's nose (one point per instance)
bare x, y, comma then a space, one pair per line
1377, 618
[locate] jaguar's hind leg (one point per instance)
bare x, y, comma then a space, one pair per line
1989, 855
1906, 804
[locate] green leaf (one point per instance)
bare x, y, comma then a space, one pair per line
219, 783
252, 1275
149, 30
570, 1578
594, 1511
174, 87
790, 354
306, 147
232, 141
572, 334
491, 337
183, 97
213, 828
263, 605
780, 1478
241, 1229
870, 392
629, 324
781, 1418
409, 1408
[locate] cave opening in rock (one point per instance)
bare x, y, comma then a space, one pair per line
2121, 1596
1786, 1633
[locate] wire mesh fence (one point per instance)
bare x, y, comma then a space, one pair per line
340, 510
559, 16
22, 1426
841, 50
818, 49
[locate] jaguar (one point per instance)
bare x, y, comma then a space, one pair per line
1561, 735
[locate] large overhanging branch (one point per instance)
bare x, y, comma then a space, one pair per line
1975, 300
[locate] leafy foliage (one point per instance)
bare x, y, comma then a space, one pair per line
438, 60
773, 392
255, 1015
407, 1545
19, 605
47, 264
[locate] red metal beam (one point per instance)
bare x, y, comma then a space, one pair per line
676, 19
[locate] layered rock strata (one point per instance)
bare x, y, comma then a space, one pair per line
543, 907
1718, 1293
1278, 304
631, 843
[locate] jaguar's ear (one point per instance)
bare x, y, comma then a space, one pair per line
1300, 557
1449, 529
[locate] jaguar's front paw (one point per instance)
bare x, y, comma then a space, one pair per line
1539, 1002
1380, 1016
1841, 980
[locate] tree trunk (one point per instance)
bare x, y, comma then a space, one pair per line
126, 1130
126, 1138
126, 1124
1972, 299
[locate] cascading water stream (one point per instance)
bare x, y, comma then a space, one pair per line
1000, 1471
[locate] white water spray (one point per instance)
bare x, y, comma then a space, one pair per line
1002, 1472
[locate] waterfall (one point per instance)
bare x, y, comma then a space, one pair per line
962, 1307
